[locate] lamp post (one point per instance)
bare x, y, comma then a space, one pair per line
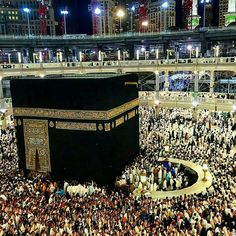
165, 5
120, 14
132, 10
157, 54
27, 11
205, 169
137, 54
80, 56
216, 51
9, 58
197, 52
19, 57
119, 55
98, 12
189, 47
204, 12
168, 55
64, 13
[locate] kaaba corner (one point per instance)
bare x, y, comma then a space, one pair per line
83, 128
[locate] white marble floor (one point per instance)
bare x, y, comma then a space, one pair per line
198, 187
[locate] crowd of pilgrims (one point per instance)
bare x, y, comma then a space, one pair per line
150, 174
182, 94
35, 205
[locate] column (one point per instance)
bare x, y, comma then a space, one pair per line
74, 54
195, 101
157, 53
80, 56
99, 55
1, 88
9, 58
203, 43
157, 77
157, 101
137, 54
212, 81
66, 54
166, 84
50, 55
196, 81
165, 46
54, 55
130, 48
19, 57
40, 57
31, 54
119, 55
147, 52
60, 57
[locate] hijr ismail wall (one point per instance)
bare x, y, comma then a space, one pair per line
77, 128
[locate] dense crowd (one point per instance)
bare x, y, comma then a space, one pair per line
176, 93
35, 205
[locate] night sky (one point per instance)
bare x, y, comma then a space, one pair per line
79, 20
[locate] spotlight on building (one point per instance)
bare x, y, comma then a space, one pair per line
26, 10
145, 23
165, 4
120, 13
97, 11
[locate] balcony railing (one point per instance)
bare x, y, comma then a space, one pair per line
123, 64
122, 35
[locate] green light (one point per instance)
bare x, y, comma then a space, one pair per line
229, 19
193, 21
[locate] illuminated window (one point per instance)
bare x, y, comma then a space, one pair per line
16, 17
13, 18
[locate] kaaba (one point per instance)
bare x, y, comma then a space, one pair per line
82, 128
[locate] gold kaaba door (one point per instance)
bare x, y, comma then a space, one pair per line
37, 151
